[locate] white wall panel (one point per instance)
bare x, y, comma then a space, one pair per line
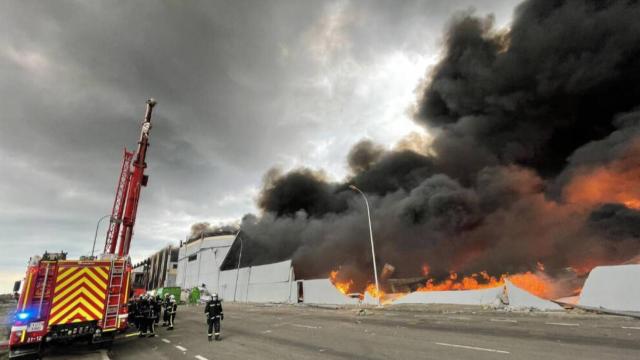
322, 291
210, 254
521, 299
613, 288
461, 297
269, 292
271, 273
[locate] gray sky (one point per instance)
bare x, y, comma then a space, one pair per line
242, 86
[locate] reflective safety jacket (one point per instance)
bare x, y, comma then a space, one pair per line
213, 309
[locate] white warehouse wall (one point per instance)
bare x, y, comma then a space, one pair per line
199, 262
263, 283
613, 288
322, 291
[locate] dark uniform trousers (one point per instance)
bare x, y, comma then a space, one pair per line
214, 324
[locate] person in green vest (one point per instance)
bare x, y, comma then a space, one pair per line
194, 297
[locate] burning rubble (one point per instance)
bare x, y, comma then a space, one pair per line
534, 159
536, 283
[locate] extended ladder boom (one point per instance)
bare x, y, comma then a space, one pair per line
132, 178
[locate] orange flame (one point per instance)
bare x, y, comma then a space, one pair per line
632, 204
480, 280
425, 269
536, 284
342, 286
615, 182
371, 289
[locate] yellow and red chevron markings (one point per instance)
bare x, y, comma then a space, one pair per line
80, 294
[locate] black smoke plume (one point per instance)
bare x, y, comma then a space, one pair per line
534, 128
205, 229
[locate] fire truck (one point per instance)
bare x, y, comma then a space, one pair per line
64, 300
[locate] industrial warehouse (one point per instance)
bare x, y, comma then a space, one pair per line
206, 262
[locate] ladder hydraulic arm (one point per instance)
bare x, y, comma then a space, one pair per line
132, 178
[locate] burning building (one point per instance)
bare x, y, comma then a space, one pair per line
157, 271
218, 260
530, 172
200, 257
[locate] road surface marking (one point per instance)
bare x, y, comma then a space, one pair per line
631, 327
133, 334
200, 357
562, 324
459, 318
504, 320
473, 348
166, 341
306, 326
266, 331
104, 355
181, 348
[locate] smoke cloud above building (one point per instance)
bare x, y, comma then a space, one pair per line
533, 159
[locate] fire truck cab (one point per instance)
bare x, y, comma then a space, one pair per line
64, 300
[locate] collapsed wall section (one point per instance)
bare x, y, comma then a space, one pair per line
521, 299
613, 288
322, 291
489, 296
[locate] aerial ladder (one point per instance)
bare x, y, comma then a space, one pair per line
64, 300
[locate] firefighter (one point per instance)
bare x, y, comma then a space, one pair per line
150, 316
133, 312
165, 316
139, 317
173, 307
157, 309
213, 311
142, 314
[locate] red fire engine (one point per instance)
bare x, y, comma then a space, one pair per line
65, 300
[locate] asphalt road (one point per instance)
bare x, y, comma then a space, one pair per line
424, 332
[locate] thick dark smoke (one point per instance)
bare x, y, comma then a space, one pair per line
535, 159
363, 155
300, 190
204, 229
534, 95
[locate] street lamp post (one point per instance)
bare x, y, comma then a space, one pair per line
93, 248
238, 271
373, 252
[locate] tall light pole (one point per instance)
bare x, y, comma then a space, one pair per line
373, 252
93, 248
238, 269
